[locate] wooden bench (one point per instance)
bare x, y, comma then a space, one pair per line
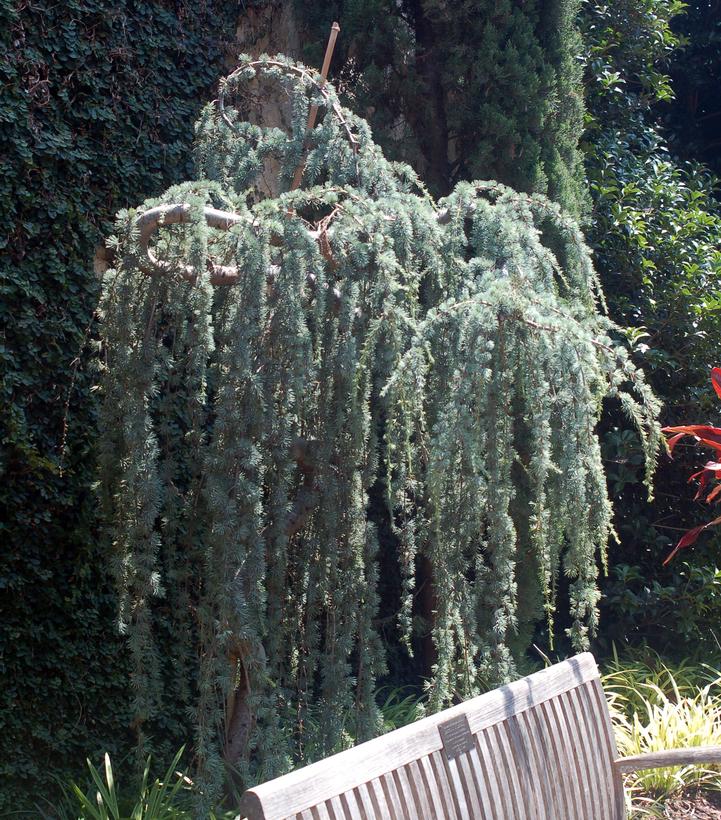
541, 748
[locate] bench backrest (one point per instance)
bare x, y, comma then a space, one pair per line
541, 748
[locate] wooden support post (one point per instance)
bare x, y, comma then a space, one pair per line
313, 113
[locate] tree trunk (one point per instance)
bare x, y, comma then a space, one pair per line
428, 118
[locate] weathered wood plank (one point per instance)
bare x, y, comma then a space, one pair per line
495, 777
405, 791
518, 802
577, 719
420, 790
562, 776
568, 758
601, 748
470, 790
478, 772
393, 802
319, 812
431, 781
449, 798
364, 800
378, 798
538, 769
604, 717
671, 757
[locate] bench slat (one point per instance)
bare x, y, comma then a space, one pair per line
513, 769
481, 785
538, 769
555, 743
319, 812
465, 773
493, 786
431, 781
445, 789
417, 781
604, 716
603, 762
378, 798
455, 785
364, 801
405, 790
568, 757
392, 797
577, 717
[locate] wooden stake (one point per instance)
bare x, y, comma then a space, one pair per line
313, 113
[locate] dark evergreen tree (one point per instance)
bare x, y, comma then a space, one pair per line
464, 89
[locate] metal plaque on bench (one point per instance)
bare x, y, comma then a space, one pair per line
456, 736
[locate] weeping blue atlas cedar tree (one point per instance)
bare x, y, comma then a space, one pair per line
267, 360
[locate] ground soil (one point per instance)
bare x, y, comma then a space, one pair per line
696, 806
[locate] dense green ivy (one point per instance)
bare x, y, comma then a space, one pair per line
96, 101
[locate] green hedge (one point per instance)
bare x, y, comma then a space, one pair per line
96, 110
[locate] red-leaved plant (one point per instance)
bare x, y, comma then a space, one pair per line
711, 472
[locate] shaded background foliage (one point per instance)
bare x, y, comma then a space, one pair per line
97, 100
465, 89
694, 116
656, 230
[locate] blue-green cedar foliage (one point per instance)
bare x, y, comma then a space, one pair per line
456, 352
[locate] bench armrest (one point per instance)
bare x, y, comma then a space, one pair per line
250, 807
672, 757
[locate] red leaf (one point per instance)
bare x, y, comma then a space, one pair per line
716, 380
673, 441
703, 481
703, 433
690, 537
710, 471
716, 490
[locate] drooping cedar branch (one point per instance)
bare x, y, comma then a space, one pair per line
178, 213
367, 341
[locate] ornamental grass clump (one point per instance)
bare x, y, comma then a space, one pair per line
655, 707
269, 362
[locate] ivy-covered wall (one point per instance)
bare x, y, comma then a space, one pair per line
97, 101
